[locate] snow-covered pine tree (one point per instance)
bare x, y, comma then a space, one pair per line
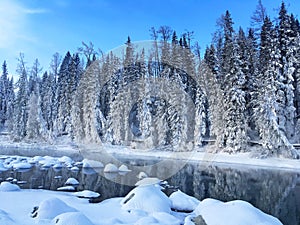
21, 102
4, 92
268, 97
62, 95
234, 135
36, 128
10, 105
286, 69
47, 95
34, 80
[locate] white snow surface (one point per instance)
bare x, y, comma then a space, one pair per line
88, 163
72, 181
149, 205
236, 212
72, 218
148, 181
124, 168
111, 168
7, 186
52, 207
183, 202
148, 198
86, 194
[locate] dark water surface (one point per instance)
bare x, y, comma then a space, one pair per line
276, 192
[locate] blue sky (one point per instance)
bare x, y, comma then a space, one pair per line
39, 28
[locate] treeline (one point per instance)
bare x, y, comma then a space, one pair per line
245, 89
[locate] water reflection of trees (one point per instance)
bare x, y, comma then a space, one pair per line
274, 192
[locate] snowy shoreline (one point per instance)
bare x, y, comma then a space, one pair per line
199, 155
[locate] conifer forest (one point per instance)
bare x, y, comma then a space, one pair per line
243, 90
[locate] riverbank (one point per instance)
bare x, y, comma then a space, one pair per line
106, 153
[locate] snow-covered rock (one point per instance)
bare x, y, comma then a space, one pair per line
124, 168
148, 198
142, 175
6, 186
183, 202
72, 218
110, 168
236, 212
86, 194
148, 181
88, 163
75, 168
66, 160
66, 188
58, 166
21, 165
50, 208
72, 181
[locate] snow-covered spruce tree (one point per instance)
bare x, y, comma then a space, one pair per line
10, 106
90, 83
36, 126
251, 61
62, 96
235, 105
47, 95
234, 135
212, 90
286, 68
201, 125
4, 92
34, 80
295, 26
21, 102
268, 96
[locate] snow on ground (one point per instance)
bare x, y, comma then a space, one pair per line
111, 168
144, 205
183, 202
67, 150
215, 212
86, 194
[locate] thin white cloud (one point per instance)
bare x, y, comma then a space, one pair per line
14, 23
35, 11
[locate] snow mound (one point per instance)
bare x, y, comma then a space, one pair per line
124, 168
6, 186
75, 168
88, 163
86, 194
50, 208
142, 175
72, 218
58, 166
72, 181
111, 168
66, 160
236, 212
183, 202
66, 188
21, 165
148, 198
148, 181
5, 218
